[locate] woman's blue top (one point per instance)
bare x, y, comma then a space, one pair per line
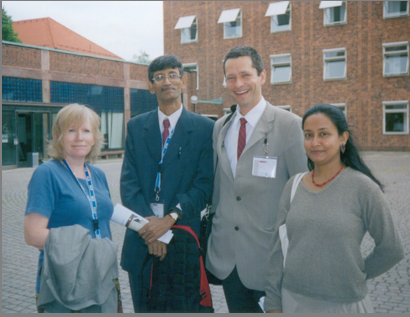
54, 192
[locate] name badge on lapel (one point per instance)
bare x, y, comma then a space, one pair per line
264, 166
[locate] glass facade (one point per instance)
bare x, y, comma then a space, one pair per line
108, 102
9, 137
21, 89
100, 98
25, 132
142, 101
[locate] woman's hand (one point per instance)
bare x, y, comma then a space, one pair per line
35, 230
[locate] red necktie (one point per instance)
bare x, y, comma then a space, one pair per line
165, 134
242, 137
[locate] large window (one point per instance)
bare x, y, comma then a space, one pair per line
396, 59
108, 102
334, 61
394, 9
192, 67
142, 101
396, 117
334, 12
189, 29
281, 69
21, 89
280, 13
232, 20
112, 128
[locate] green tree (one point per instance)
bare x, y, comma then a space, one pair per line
8, 33
143, 58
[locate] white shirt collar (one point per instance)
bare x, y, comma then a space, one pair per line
253, 116
173, 119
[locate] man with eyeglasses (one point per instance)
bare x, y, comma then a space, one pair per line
167, 171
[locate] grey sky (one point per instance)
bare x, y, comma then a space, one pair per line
124, 28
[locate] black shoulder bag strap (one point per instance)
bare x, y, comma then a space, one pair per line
209, 204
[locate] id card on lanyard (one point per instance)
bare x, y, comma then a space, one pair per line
91, 198
157, 207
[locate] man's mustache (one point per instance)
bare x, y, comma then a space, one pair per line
167, 87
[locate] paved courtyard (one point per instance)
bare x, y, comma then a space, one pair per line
389, 292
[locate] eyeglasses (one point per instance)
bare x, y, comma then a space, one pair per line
173, 78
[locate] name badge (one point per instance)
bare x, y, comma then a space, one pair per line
264, 166
158, 209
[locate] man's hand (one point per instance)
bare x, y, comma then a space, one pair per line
158, 248
156, 228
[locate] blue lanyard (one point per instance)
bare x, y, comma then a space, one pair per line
91, 197
157, 188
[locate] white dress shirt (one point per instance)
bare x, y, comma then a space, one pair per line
231, 137
173, 119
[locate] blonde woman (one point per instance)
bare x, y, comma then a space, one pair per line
67, 190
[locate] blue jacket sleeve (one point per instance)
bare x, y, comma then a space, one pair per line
199, 194
130, 188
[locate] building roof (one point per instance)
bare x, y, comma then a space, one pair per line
49, 33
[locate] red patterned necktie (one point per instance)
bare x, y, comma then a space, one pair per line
242, 137
165, 134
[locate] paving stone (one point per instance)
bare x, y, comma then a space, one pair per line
389, 292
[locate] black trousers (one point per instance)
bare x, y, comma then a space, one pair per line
239, 298
140, 305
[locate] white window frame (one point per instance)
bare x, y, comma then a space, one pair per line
404, 110
390, 15
197, 71
285, 107
210, 116
238, 19
337, 58
276, 64
193, 24
274, 27
341, 106
227, 111
329, 6
385, 45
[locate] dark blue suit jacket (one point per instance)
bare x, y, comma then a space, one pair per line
186, 177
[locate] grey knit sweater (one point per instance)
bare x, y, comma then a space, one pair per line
325, 231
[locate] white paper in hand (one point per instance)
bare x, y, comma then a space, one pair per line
132, 220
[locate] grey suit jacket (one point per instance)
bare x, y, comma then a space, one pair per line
246, 206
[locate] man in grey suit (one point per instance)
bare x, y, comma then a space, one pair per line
258, 149
167, 171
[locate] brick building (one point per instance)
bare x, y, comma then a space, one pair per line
353, 54
37, 82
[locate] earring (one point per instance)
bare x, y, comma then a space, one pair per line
342, 148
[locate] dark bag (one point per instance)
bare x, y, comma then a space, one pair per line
206, 228
178, 284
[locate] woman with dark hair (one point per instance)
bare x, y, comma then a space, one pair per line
335, 204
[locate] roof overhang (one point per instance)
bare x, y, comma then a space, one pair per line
277, 8
229, 15
330, 4
185, 22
